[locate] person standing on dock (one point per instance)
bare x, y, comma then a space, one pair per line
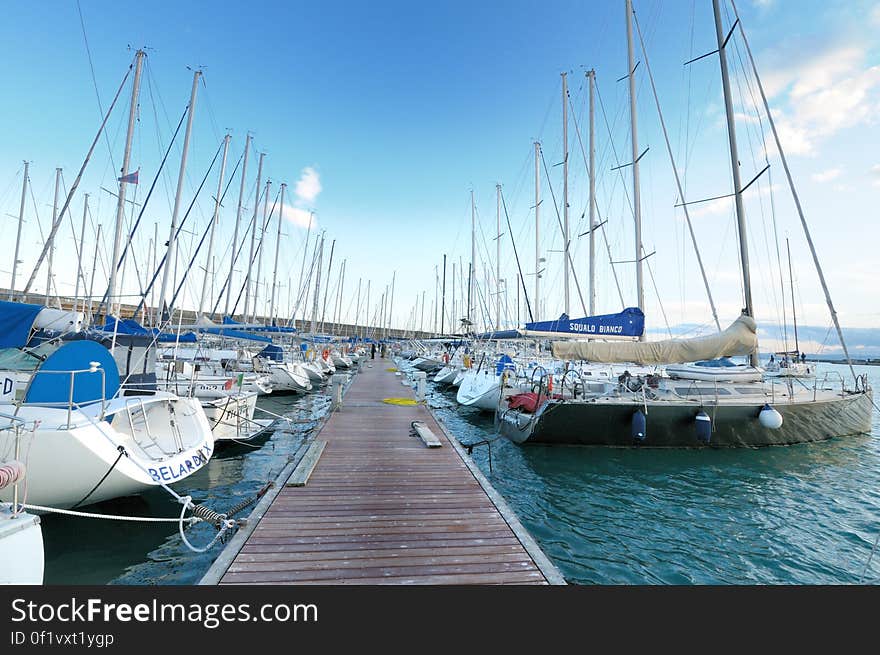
373, 350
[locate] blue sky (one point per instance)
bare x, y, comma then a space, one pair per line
392, 112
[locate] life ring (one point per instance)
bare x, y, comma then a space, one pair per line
445, 358
325, 354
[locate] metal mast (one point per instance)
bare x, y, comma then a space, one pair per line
18, 234
634, 137
172, 240
327, 288
120, 203
277, 250
537, 228
565, 228
241, 189
214, 222
734, 165
247, 279
51, 244
263, 225
473, 259
82, 243
317, 286
591, 77
497, 258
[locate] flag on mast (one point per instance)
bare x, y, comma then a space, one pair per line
131, 177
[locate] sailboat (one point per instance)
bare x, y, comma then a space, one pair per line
662, 411
791, 364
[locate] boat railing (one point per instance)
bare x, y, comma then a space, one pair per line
69, 404
138, 403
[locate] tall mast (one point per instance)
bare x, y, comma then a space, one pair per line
734, 165
337, 306
436, 296
263, 224
120, 202
793, 311
241, 189
453, 321
214, 222
247, 279
443, 300
637, 202
302, 271
497, 258
565, 235
277, 250
473, 259
591, 77
51, 243
317, 286
367, 308
357, 310
391, 303
327, 288
82, 243
95, 268
172, 240
537, 228
18, 233
153, 267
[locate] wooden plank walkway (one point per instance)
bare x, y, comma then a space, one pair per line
382, 508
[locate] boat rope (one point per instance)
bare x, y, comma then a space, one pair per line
201, 511
100, 482
111, 517
11, 472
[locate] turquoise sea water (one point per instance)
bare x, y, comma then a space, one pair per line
804, 514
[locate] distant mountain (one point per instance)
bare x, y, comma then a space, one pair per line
817, 342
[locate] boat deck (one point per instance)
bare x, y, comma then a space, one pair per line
380, 507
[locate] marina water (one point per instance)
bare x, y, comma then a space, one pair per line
805, 514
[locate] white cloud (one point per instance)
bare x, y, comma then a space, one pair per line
308, 186
298, 216
826, 176
823, 94
875, 173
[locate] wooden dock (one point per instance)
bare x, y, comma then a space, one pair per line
380, 507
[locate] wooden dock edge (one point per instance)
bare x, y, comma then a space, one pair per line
220, 565
547, 568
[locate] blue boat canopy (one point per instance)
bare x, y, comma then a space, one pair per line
630, 323
132, 327
16, 321
234, 334
273, 352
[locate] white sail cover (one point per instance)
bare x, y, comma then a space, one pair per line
739, 339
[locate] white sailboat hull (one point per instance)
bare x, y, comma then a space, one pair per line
166, 440
21, 549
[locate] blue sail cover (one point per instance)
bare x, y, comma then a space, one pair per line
628, 323
130, 326
16, 321
234, 334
